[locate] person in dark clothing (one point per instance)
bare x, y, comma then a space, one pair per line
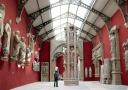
56, 78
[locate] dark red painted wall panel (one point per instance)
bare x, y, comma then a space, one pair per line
45, 52
87, 46
59, 64
10, 75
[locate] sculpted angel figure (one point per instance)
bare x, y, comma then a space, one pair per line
6, 40
15, 45
31, 41
2, 15
22, 52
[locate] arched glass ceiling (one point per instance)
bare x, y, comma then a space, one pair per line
69, 8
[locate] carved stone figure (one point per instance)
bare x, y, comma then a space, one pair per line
15, 46
112, 37
2, 15
90, 72
6, 40
37, 56
125, 45
31, 41
22, 52
86, 72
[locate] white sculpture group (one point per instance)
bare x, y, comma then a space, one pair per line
125, 45
13, 46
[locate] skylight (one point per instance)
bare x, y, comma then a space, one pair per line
83, 10
73, 8
55, 11
78, 23
60, 10
53, 1
64, 9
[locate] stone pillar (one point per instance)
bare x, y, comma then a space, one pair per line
52, 69
114, 40
81, 76
71, 77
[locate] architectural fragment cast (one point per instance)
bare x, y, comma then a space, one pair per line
114, 40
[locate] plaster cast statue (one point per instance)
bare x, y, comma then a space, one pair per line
2, 15
6, 40
28, 55
15, 46
31, 41
90, 72
86, 72
125, 45
37, 56
112, 38
22, 52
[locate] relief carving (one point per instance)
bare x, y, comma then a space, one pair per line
15, 46
2, 15
22, 52
125, 45
6, 41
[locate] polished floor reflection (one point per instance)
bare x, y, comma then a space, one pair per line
90, 85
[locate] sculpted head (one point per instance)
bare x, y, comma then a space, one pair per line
23, 39
2, 11
17, 32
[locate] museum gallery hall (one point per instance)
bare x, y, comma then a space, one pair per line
63, 44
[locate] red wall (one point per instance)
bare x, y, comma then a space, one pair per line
59, 64
87, 46
10, 75
44, 53
117, 19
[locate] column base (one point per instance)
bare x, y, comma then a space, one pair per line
71, 82
116, 78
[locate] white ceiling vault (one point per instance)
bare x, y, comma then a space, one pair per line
49, 17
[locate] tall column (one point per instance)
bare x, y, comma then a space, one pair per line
71, 77
114, 40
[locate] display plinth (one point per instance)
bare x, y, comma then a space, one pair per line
71, 82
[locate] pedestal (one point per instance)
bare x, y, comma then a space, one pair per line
116, 73
71, 82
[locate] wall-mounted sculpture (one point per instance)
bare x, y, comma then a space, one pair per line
114, 41
28, 55
6, 41
2, 15
36, 63
97, 55
126, 21
22, 53
15, 45
20, 8
125, 45
30, 41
